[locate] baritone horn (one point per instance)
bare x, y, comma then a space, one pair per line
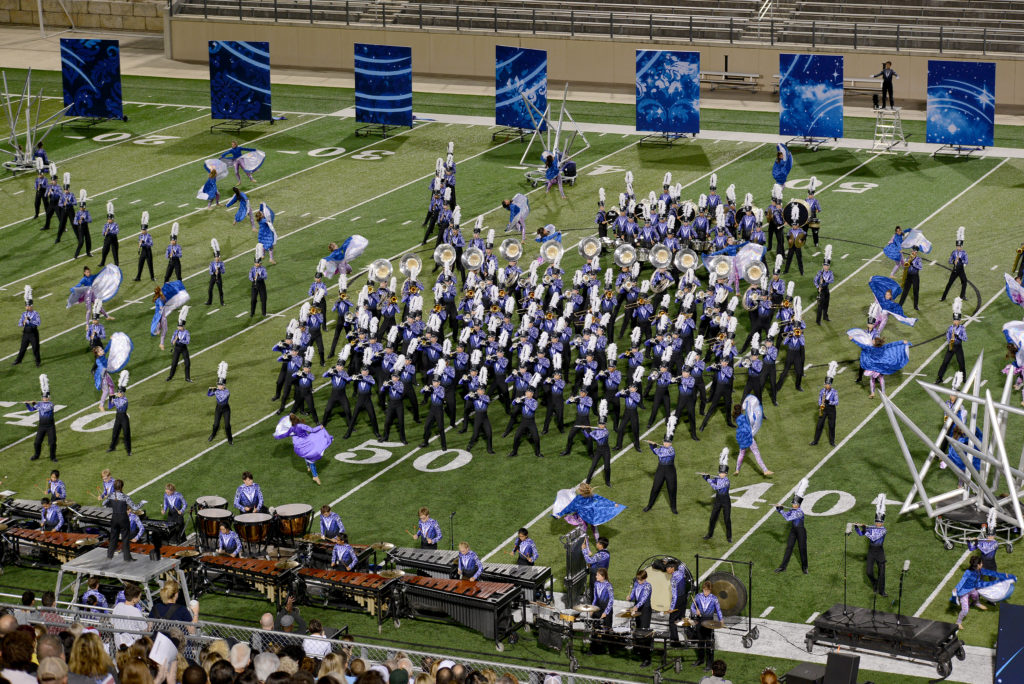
590, 247
754, 272
472, 258
444, 255
719, 266
410, 266
552, 251
625, 255
381, 270
511, 249
686, 259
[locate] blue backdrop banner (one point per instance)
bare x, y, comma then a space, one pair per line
91, 71
519, 72
240, 80
961, 103
383, 84
811, 95
667, 91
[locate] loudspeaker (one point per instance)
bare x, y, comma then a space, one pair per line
805, 673
549, 634
842, 668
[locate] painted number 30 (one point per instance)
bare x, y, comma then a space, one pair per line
438, 461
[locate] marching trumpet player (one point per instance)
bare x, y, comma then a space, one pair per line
876, 547
583, 404
395, 412
222, 394
662, 380
722, 392
146, 249
723, 502
602, 454
912, 276
687, 397
631, 419
957, 262
527, 406
339, 379
797, 531
956, 335
775, 222
828, 400
555, 405
481, 423
823, 280
216, 271
793, 339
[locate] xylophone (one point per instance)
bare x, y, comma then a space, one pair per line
269, 577
486, 607
63, 546
372, 592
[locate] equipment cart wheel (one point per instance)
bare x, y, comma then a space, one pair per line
1009, 547
498, 646
944, 668
755, 634
961, 654
678, 665
748, 642
948, 545
573, 664
397, 623
809, 644
513, 638
657, 677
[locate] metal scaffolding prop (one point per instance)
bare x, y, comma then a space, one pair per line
558, 136
34, 131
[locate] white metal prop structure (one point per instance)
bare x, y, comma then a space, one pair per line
558, 136
960, 512
34, 131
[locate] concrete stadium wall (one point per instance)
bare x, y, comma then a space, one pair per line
141, 15
581, 61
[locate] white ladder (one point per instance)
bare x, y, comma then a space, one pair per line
888, 130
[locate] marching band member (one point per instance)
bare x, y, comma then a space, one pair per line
957, 261
640, 595
228, 542
234, 156
524, 550
122, 423
181, 338
120, 523
51, 517
266, 234
248, 496
45, 428
583, 405
80, 225
434, 207
687, 398
217, 271
797, 532
303, 381
722, 392
599, 560
395, 413
135, 528
770, 356
339, 379
679, 586
876, 547
527, 425
705, 607
343, 554
436, 396
469, 566
110, 232
40, 185
986, 543
341, 307
823, 280
173, 254
665, 474
519, 210
894, 250
828, 400
956, 335
913, 276
223, 410
631, 419
145, 249
364, 383
174, 507
783, 164
747, 430
603, 597
481, 423
815, 208
258, 280
55, 487
723, 502
795, 343
973, 582
52, 196
330, 523
244, 208
427, 530
795, 238
601, 451
29, 323
65, 207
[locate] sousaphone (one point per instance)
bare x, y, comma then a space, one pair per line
511, 249
472, 258
719, 266
754, 272
551, 251
625, 255
590, 247
686, 259
444, 255
381, 270
410, 265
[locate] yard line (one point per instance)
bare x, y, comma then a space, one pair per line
158, 203
45, 295
926, 220
405, 223
18, 193
210, 313
306, 214
381, 220
811, 619
767, 611
107, 146
845, 255
93, 196
241, 314
135, 201
994, 267
945, 580
842, 443
355, 218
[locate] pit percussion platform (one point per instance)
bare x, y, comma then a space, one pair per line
143, 571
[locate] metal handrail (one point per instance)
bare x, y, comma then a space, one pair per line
618, 24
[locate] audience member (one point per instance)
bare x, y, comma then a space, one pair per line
289, 610
717, 675
264, 665
89, 658
240, 657
17, 649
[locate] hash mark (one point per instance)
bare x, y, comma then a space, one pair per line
404, 224
355, 218
158, 203
210, 313
767, 610
182, 206
811, 619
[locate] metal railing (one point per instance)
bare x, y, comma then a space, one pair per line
713, 26
194, 636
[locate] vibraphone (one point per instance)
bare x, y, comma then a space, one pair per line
438, 563
63, 546
28, 509
486, 607
93, 517
372, 592
264, 576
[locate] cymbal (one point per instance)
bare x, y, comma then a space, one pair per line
685, 622
285, 565
186, 553
586, 608
3, 527
382, 546
566, 617
626, 614
88, 541
712, 624
391, 574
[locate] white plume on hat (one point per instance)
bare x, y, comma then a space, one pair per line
304, 312
110, 208
183, 315
777, 192
714, 181
667, 180
456, 216
97, 307
773, 331
39, 163
958, 305
259, 251
670, 427
790, 288
960, 233
122, 381
638, 375
798, 309
833, 370
222, 372
991, 521
82, 196
801, 488
44, 385
629, 178
53, 169
67, 178
346, 351
958, 380
28, 294
174, 230
813, 184
600, 195
730, 193
828, 253
215, 246
308, 356
723, 458
879, 507
342, 282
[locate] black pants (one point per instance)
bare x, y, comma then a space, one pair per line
120, 530
664, 475
555, 410
84, 238
48, 432
435, 415
481, 425
958, 351
258, 289
722, 394
51, 209
795, 361
631, 421
363, 403
823, 300
173, 267
722, 505
215, 281
110, 247
527, 428
395, 414
222, 411
316, 338
122, 424
65, 215
339, 328
913, 282
29, 337
146, 259
661, 401
40, 194
573, 431
410, 396
304, 402
829, 416
798, 252
887, 92
776, 234
768, 380
602, 455
685, 405
340, 399
181, 351
705, 644
797, 535
957, 272
876, 560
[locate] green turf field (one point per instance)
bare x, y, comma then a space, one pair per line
326, 184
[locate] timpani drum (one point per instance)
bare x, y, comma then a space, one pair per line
293, 519
253, 528
210, 519
211, 502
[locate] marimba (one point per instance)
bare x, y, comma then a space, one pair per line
372, 592
62, 546
268, 577
486, 607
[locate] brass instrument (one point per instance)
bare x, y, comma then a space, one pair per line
381, 270
906, 272
720, 265
551, 251
660, 256
1016, 261
444, 255
754, 272
821, 409
511, 249
410, 266
589, 247
472, 258
685, 259
625, 255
